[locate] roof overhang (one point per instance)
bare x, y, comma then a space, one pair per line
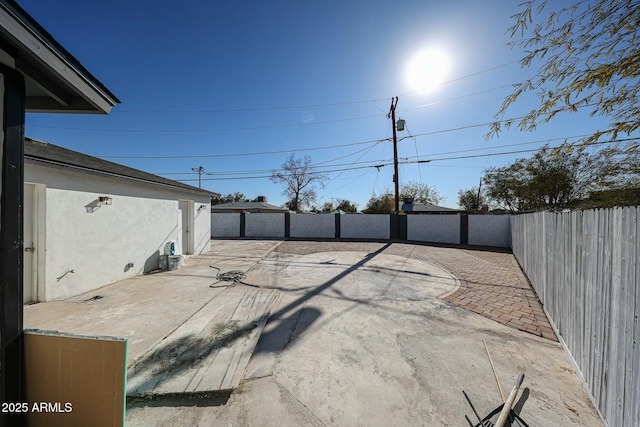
55, 81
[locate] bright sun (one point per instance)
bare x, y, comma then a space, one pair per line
427, 69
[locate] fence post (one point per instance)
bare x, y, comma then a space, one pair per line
393, 226
464, 229
287, 225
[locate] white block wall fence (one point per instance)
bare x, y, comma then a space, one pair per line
434, 228
225, 225
264, 225
375, 226
313, 226
481, 230
490, 230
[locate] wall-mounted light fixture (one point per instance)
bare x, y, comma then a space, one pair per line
202, 207
104, 201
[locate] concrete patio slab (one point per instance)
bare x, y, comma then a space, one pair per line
363, 335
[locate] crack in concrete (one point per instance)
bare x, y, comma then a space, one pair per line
289, 397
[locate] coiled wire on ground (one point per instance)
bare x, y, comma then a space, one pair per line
235, 276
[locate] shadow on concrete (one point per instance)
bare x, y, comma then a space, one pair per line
333, 264
517, 408
498, 249
175, 357
206, 399
319, 289
287, 330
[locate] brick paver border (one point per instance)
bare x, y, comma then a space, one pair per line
492, 283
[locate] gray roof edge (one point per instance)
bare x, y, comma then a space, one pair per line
35, 159
46, 38
146, 176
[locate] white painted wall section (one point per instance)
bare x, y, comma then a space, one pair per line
97, 245
104, 244
202, 227
490, 230
434, 228
321, 226
225, 225
375, 226
264, 225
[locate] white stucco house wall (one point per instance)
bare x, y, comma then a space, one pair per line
90, 222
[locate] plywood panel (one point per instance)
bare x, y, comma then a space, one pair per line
74, 380
210, 351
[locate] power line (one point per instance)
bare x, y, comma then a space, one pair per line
279, 108
249, 109
407, 162
430, 104
289, 125
245, 154
462, 78
297, 107
299, 149
205, 130
316, 165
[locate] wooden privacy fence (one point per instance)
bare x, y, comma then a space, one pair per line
585, 267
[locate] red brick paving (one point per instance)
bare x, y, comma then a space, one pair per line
491, 282
492, 285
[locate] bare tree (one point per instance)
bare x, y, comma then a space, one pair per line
300, 181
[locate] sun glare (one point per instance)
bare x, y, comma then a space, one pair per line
427, 69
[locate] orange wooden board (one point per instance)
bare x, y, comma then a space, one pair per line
74, 380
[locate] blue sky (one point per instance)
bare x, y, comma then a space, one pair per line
220, 81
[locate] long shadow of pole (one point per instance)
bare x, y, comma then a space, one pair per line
170, 359
307, 296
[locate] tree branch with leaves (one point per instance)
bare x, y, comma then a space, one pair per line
589, 58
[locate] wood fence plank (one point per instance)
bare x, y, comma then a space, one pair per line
630, 281
585, 268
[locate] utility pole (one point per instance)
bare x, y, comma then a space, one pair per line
392, 115
200, 172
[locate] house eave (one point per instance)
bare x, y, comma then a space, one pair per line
55, 80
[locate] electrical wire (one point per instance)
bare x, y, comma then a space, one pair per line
280, 108
430, 104
461, 78
353, 163
297, 107
415, 144
303, 149
406, 161
246, 172
260, 153
205, 130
